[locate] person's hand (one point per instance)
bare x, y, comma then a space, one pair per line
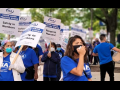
49, 55
12, 66
35, 76
81, 50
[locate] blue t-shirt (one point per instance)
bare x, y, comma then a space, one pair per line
87, 70
60, 54
104, 52
62, 50
40, 52
5, 73
67, 64
29, 58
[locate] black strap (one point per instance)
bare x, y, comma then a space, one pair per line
85, 73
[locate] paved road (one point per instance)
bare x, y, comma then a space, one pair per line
96, 75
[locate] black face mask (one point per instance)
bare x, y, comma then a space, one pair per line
75, 48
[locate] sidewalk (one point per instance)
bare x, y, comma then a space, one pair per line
95, 75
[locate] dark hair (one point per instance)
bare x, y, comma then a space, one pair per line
102, 36
52, 43
69, 49
14, 42
58, 45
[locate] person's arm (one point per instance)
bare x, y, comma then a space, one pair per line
90, 79
116, 49
55, 59
44, 57
79, 69
18, 65
36, 73
35, 62
95, 53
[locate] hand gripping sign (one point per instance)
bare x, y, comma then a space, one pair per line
30, 36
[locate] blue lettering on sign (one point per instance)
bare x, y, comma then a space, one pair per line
9, 11
33, 29
24, 23
51, 20
34, 24
23, 18
10, 17
42, 40
61, 31
52, 25
65, 29
79, 30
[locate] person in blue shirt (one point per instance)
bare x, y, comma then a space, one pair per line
61, 54
6, 58
31, 62
72, 64
103, 50
51, 59
40, 52
96, 58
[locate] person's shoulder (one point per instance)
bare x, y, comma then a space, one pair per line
38, 46
30, 50
66, 59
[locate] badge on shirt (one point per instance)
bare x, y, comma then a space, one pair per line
5, 66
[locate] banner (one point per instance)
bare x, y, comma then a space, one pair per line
24, 22
9, 20
61, 33
52, 29
75, 30
65, 37
31, 35
42, 43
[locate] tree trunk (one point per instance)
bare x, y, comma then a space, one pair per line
112, 37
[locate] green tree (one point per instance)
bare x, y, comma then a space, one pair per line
107, 15
2, 36
65, 14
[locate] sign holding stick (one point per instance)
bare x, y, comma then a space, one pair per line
8, 37
30, 36
17, 55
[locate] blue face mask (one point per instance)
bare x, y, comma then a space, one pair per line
19, 47
58, 49
8, 50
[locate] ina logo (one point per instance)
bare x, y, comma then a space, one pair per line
9, 11
23, 56
34, 24
51, 20
23, 18
86, 67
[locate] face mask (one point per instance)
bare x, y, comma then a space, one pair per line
52, 49
19, 47
13, 48
8, 50
75, 48
58, 49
